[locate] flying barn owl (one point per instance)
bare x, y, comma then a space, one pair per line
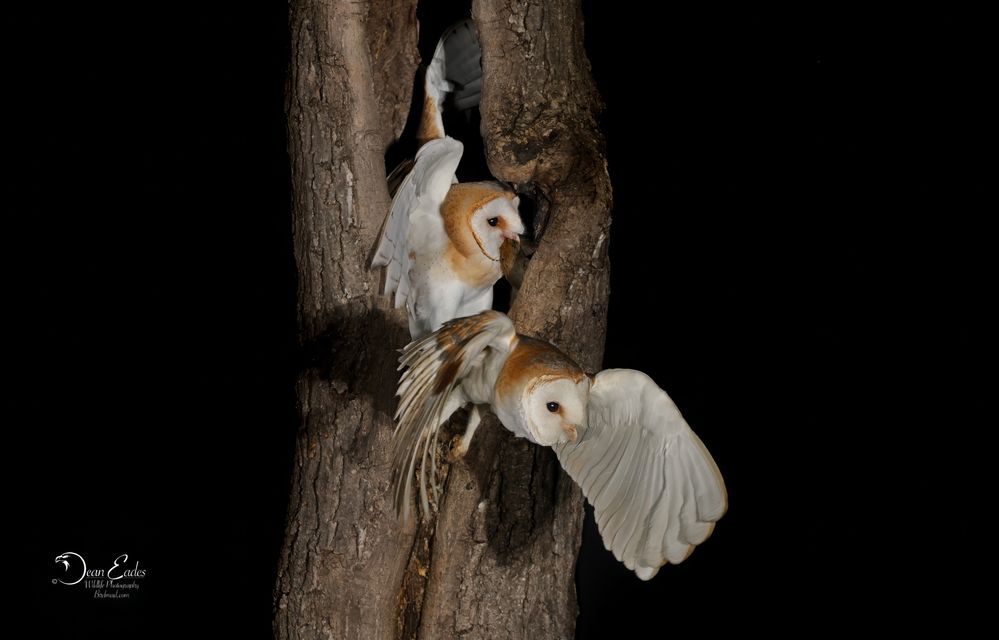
656, 491
441, 242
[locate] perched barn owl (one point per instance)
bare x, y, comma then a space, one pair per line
655, 490
441, 242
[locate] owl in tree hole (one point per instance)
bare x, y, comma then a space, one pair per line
442, 241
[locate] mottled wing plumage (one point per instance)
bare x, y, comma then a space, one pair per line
435, 366
415, 213
655, 490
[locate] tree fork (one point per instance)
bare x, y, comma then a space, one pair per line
499, 560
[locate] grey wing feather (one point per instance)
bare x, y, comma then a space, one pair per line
463, 69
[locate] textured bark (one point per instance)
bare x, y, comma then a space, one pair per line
349, 85
509, 527
498, 561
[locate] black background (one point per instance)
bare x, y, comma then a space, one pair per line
799, 259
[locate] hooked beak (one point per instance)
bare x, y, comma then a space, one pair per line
571, 432
512, 234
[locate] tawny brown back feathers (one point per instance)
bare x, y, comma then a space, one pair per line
532, 359
452, 338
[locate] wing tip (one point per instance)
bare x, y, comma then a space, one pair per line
646, 573
715, 501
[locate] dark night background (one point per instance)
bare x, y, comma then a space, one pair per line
800, 194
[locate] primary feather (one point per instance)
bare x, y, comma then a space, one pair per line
464, 67
428, 393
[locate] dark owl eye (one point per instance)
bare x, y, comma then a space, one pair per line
493, 222
552, 406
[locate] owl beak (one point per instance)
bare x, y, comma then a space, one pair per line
571, 432
511, 234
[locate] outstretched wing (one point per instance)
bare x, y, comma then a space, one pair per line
463, 71
415, 214
655, 490
455, 68
435, 365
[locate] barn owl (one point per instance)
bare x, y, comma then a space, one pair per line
656, 491
441, 242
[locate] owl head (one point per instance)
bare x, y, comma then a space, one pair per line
480, 216
555, 408
542, 393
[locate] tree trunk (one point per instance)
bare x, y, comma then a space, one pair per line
499, 560
349, 84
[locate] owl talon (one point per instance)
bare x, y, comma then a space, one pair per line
455, 449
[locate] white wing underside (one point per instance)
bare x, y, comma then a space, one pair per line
655, 490
428, 395
414, 222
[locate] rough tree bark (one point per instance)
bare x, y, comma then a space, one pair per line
349, 84
498, 562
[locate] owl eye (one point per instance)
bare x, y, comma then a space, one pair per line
552, 406
493, 221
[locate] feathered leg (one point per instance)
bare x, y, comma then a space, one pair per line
459, 444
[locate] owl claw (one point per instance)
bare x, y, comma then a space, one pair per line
455, 449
